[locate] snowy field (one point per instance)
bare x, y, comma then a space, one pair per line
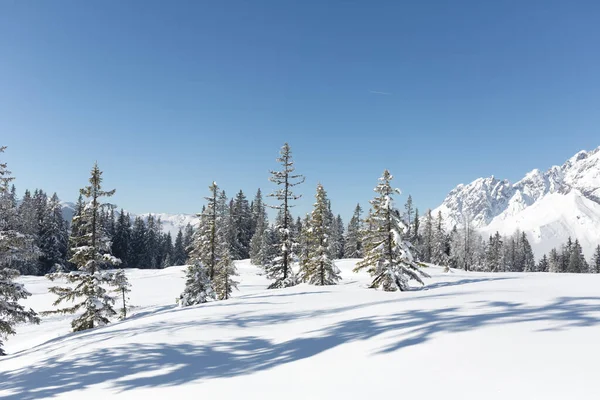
464, 336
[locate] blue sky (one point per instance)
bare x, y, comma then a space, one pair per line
168, 96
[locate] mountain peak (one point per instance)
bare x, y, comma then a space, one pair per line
493, 204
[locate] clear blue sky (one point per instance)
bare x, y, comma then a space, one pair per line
170, 95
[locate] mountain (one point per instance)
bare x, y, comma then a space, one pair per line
548, 206
170, 222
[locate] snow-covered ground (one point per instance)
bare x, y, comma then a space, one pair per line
463, 336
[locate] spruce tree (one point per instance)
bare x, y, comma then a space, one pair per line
527, 257
438, 252
554, 261
90, 253
577, 262
353, 246
259, 224
543, 265
428, 239
53, 238
387, 252
595, 267
13, 246
122, 287
121, 241
242, 223
409, 210
280, 270
203, 254
494, 253
179, 254
319, 268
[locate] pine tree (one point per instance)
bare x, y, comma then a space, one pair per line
242, 223
595, 267
203, 255
91, 251
554, 261
259, 224
544, 264
387, 253
527, 257
577, 262
122, 288
319, 268
138, 256
408, 207
179, 255
188, 237
281, 270
121, 241
224, 282
13, 246
427, 246
495, 252
353, 246
438, 255
53, 238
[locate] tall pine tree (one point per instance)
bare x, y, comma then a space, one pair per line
387, 252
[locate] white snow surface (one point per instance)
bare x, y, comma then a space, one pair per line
548, 206
465, 335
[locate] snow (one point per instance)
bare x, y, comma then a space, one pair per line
465, 335
548, 206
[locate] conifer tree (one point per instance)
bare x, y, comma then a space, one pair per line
53, 238
137, 248
91, 251
554, 261
224, 282
526, 254
319, 268
577, 262
259, 224
353, 246
203, 255
409, 210
428, 240
438, 255
179, 255
122, 287
595, 267
387, 252
13, 246
494, 253
280, 270
241, 216
544, 264
121, 241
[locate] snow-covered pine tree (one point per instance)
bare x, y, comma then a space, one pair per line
387, 252
90, 253
137, 247
122, 287
11, 312
53, 239
318, 268
259, 224
439, 255
280, 270
595, 266
203, 253
494, 253
428, 240
527, 258
337, 238
242, 223
121, 241
179, 255
409, 213
13, 246
554, 261
543, 265
224, 282
577, 262
353, 245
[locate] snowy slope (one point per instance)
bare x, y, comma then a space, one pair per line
466, 335
549, 206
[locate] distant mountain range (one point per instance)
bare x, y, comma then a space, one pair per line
549, 206
170, 222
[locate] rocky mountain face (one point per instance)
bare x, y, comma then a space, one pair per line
549, 206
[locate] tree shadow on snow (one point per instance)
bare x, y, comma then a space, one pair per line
137, 365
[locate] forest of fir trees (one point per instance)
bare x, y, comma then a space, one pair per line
36, 240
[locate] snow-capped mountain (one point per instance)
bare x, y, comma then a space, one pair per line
170, 222
549, 206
